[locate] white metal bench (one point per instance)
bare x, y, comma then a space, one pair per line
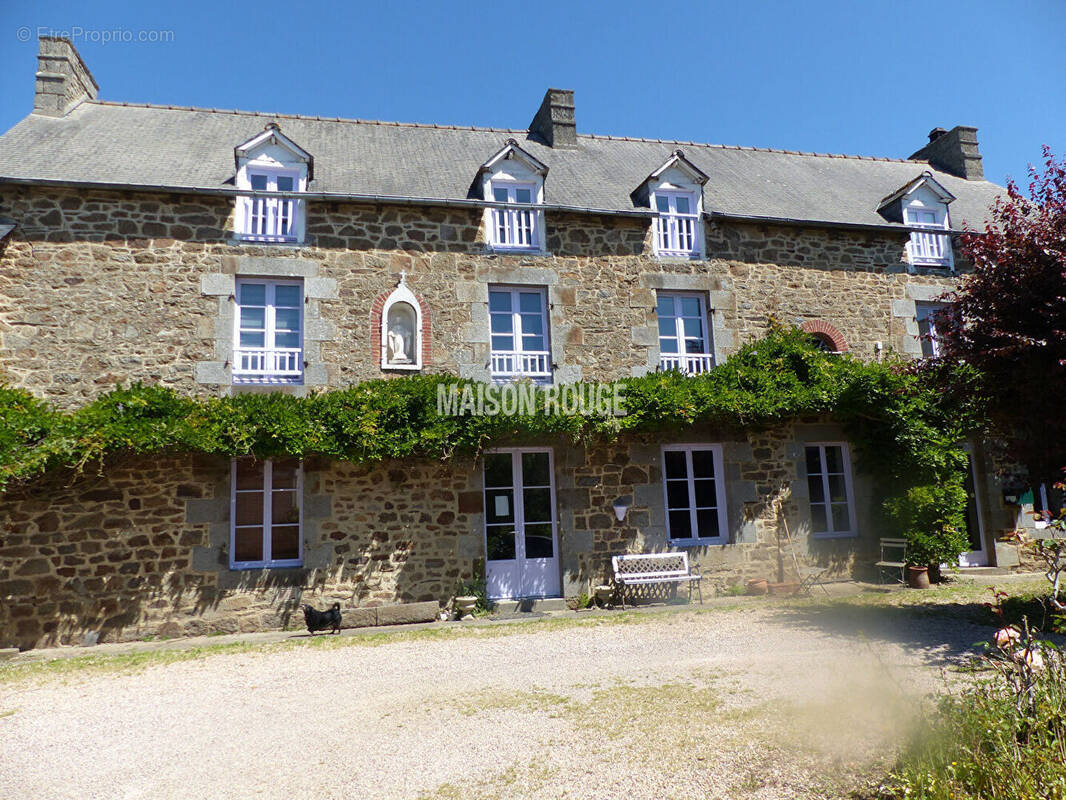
893, 557
650, 568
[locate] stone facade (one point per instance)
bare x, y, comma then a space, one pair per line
99, 288
157, 273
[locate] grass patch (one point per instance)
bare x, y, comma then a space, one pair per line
475, 703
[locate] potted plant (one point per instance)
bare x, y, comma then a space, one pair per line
933, 521
470, 598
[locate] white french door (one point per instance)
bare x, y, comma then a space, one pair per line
521, 540
975, 523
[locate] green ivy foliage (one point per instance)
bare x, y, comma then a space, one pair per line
905, 428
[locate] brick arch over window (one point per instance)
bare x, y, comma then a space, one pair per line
375, 327
827, 333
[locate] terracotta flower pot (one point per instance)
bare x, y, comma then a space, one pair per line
918, 577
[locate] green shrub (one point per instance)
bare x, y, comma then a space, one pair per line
933, 521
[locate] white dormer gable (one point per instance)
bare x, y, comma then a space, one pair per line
922, 206
675, 192
271, 162
513, 177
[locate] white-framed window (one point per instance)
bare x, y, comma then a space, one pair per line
265, 500
928, 246
832, 502
270, 219
677, 227
694, 490
518, 322
268, 331
926, 315
515, 228
684, 332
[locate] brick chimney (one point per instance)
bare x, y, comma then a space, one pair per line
954, 151
554, 123
63, 80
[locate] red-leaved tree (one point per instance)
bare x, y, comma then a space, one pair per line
1008, 318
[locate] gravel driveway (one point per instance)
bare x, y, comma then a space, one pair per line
752, 702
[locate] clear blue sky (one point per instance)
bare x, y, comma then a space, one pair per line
870, 77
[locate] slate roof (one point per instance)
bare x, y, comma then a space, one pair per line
192, 149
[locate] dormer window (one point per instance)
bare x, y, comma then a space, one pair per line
922, 206
267, 165
513, 183
675, 192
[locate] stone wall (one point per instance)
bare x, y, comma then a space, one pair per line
99, 288
143, 548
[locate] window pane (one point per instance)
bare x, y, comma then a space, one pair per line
818, 522
665, 306
287, 296
707, 521
683, 205
499, 194
248, 508
702, 464
285, 542
677, 494
816, 489
523, 196
252, 294
285, 184
253, 317
834, 459
675, 464
499, 505
253, 339
690, 306
249, 474
536, 469
693, 327
287, 319
248, 544
841, 520
283, 473
530, 302
498, 469
814, 461
499, 543
287, 340
836, 489
539, 541
259, 182
667, 327
501, 323
694, 346
499, 301
705, 494
284, 508
662, 203
537, 505
532, 323
502, 343
668, 345
680, 525
533, 344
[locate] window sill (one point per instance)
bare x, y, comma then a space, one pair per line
503, 250
678, 258
267, 381
240, 239
697, 542
243, 566
846, 535
401, 367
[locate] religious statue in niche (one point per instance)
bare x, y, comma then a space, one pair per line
401, 335
401, 329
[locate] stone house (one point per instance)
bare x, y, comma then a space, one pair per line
219, 252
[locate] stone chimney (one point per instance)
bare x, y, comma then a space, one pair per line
554, 123
63, 80
954, 151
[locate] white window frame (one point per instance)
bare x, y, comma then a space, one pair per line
719, 491
509, 365
267, 364
926, 312
1040, 492
270, 206
268, 491
940, 222
514, 219
669, 226
689, 363
853, 529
